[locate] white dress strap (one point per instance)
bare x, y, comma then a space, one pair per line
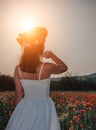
21, 76
41, 70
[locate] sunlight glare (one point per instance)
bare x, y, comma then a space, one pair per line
28, 23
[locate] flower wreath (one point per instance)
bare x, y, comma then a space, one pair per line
36, 35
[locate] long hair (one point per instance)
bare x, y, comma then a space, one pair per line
33, 47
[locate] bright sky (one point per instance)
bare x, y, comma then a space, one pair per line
71, 25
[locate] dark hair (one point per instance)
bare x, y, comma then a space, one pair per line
33, 47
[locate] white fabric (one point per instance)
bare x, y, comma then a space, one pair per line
36, 111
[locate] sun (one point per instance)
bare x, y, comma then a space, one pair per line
28, 23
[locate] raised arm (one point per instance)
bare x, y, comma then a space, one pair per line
18, 87
59, 66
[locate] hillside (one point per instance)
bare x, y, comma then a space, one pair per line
91, 77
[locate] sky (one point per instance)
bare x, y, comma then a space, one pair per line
71, 26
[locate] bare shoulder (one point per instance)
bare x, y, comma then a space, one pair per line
16, 69
16, 73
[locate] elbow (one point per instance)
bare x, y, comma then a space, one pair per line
17, 100
65, 68
62, 69
18, 97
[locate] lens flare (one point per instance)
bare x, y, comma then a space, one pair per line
28, 23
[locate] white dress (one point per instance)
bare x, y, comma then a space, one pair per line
36, 111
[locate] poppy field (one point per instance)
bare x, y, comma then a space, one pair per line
76, 110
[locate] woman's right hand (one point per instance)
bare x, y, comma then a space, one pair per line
59, 66
47, 54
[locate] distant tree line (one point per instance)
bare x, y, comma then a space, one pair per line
72, 83
65, 84
6, 83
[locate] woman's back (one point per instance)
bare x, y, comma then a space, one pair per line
35, 88
42, 72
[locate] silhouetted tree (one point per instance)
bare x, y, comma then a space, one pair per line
6, 83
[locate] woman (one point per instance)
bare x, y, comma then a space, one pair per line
35, 110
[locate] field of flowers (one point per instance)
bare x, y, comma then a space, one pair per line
76, 110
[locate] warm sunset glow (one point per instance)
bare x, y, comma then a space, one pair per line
29, 22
